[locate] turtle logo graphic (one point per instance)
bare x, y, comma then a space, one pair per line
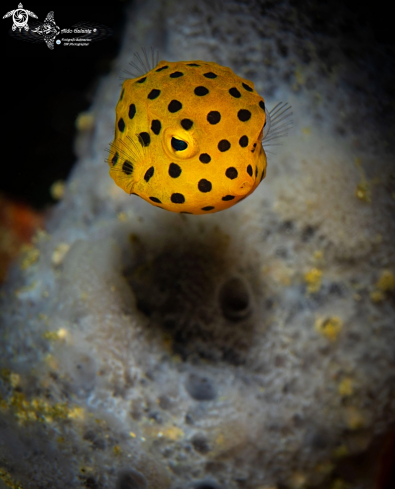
49, 30
20, 16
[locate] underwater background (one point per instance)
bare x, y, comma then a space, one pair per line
253, 348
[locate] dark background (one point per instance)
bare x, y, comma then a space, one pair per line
44, 90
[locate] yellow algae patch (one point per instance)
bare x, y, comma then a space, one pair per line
279, 272
40, 236
363, 188
329, 327
85, 121
57, 190
60, 334
5, 374
14, 379
363, 192
84, 296
31, 256
172, 433
313, 279
340, 451
324, 468
354, 418
346, 387
318, 255
8, 480
300, 76
60, 252
76, 413
36, 409
50, 335
386, 281
298, 480
340, 484
220, 439
377, 296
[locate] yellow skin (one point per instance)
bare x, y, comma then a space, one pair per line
158, 111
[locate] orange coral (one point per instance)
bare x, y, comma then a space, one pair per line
18, 223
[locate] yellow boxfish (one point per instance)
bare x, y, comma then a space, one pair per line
188, 136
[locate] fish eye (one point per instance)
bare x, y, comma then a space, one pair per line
178, 144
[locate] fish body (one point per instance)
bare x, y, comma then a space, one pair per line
188, 137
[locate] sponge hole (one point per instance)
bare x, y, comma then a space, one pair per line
234, 299
131, 479
200, 388
200, 443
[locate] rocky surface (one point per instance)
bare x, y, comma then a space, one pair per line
248, 349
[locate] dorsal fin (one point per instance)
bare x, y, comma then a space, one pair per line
143, 63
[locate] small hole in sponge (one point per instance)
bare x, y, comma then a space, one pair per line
131, 479
200, 388
234, 299
200, 443
91, 483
